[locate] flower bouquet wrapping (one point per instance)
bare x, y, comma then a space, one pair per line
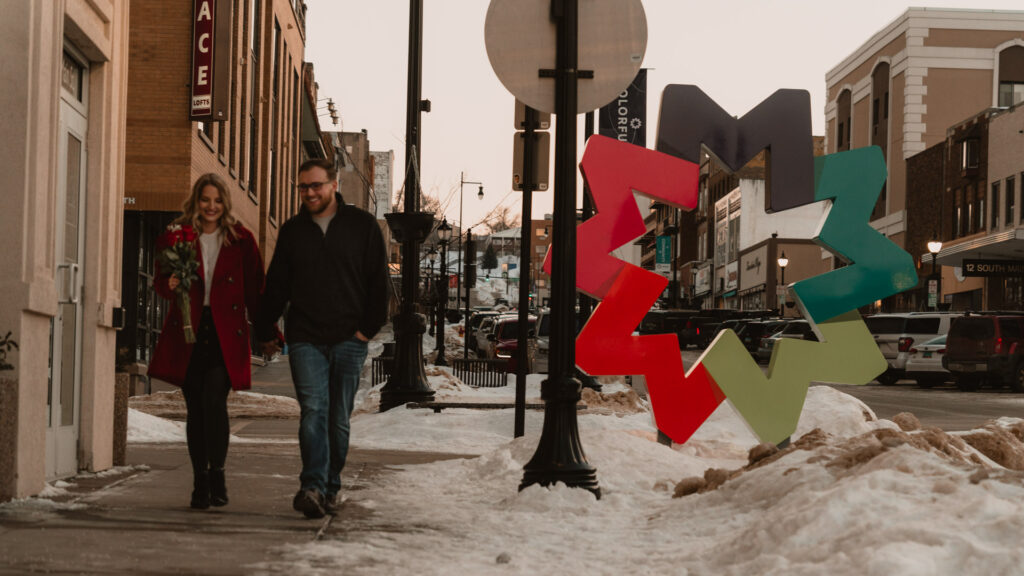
179, 258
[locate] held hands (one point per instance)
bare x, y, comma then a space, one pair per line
269, 348
360, 337
173, 282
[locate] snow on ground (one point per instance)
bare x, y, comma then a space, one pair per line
852, 495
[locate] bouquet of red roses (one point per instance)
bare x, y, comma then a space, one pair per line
179, 258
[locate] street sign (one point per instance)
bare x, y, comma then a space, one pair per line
663, 254
521, 40
541, 154
543, 118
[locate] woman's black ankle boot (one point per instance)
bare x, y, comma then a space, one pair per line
218, 487
201, 491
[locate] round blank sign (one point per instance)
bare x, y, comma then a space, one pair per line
522, 39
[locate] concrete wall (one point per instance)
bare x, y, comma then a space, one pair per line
34, 35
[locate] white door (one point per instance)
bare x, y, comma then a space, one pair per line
66, 328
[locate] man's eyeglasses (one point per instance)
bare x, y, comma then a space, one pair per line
314, 186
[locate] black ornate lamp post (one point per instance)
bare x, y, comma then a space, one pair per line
559, 456
444, 235
783, 262
408, 381
431, 290
934, 246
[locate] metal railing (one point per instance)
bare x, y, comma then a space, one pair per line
481, 373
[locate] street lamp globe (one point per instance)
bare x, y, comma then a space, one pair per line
480, 192
783, 261
444, 232
934, 246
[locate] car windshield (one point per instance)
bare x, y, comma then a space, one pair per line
973, 328
885, 324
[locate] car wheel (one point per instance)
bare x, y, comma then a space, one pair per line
1017, 382
967, 383
886, 379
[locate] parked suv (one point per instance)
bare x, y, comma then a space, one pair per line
896, 334
986, 348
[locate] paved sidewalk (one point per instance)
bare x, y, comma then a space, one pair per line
140, 521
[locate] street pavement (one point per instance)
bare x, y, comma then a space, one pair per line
139, 521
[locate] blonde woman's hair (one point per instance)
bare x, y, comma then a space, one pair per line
190, 208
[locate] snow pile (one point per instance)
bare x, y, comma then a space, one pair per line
851, 495
144, 427
241, 404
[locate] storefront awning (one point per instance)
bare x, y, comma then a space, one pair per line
1008, 244
752, 289
729, 294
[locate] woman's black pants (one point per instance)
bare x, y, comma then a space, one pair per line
206, 395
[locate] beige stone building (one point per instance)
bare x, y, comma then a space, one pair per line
62, 164
924, 72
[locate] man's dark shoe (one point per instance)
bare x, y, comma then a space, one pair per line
332, 503
218, 487
200, 491
310, 503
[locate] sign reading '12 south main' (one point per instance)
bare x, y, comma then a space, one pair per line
992, 267
211, 49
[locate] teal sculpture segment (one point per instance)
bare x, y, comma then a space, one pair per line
877, 268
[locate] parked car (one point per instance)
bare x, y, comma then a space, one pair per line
986, 348
483, 331
795, 329
896, 333
503, 341
924, 363
666, 322
474, 323
541, 343
752, 332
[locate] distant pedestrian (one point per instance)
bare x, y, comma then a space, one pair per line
230, 280
330, 268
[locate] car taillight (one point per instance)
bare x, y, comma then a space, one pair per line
905, 343
941, 351
999, 345
698, 331
689, 324
914, 350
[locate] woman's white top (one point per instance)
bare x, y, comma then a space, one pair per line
211, 249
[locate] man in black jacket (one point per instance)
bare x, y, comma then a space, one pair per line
330, 269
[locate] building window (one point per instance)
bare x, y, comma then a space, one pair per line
1008, 217
1011, 76
995, 206
844, 133
981, 210
1011, 192
968, 154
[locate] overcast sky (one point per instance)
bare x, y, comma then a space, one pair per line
737, 51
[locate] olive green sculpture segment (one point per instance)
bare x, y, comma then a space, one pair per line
771, 402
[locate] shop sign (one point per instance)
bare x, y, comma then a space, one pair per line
993, 267
211, 50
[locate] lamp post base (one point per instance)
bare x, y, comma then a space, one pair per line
408, 381
559, 456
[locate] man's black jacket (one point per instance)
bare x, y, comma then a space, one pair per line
334, 284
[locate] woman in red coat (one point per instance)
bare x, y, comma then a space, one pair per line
230, 282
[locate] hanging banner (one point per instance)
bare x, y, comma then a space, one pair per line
663, 254
625, 118
211, 53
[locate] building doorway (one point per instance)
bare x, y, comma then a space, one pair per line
64, 391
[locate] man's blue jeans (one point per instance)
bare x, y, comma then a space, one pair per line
326, 378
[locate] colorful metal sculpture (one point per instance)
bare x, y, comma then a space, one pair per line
770, 403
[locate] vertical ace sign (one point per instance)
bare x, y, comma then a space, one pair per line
211, 34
